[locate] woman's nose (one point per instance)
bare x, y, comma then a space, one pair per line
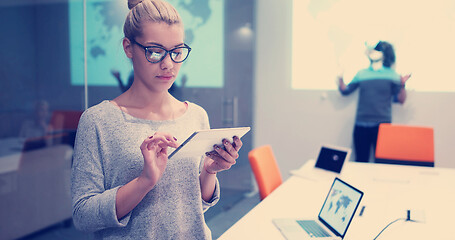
167, 62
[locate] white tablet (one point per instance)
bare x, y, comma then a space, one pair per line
202, 141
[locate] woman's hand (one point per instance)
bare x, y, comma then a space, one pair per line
222, 158
404, 79
154, 151
340, 82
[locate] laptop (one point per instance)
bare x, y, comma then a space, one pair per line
328, 165
332, 158
334, 217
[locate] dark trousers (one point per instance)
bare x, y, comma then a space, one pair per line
364, 139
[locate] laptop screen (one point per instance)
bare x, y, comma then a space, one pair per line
340, 206
332, 158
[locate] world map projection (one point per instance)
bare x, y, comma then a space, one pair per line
204, 33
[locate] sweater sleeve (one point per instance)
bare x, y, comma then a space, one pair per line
351, 87
215, 198
93, 205
396, 87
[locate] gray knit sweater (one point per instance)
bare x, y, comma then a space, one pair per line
107, 156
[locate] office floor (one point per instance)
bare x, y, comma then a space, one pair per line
231, 207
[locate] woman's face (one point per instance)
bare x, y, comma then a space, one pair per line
157, 77
374, 55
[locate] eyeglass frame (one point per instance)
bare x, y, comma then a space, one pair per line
165, 50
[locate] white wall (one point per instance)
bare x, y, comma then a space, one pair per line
297, 122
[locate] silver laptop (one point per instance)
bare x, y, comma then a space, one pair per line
334, 217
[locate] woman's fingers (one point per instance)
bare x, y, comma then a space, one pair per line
221, 162
232, 148
145, 144
237, 143
224, 154
162, 140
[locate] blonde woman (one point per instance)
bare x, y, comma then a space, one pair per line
123, 184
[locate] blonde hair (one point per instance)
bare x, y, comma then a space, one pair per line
148, 11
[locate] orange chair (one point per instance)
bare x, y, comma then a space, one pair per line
265, 169
407, 145
65, 119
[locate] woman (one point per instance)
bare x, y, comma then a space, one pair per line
40, 125
378, 85
123, 184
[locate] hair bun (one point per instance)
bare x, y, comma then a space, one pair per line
133, 3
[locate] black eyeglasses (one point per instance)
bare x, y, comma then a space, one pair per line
156, 54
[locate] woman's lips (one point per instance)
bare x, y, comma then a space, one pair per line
165, 77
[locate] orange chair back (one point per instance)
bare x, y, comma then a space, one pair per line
265, 169
403, 144
65, 119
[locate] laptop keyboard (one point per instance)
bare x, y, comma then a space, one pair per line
312, 228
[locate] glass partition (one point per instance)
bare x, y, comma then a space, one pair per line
39, 113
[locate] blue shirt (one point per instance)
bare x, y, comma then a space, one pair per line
377, 89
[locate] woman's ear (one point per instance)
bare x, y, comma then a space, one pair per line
128, 47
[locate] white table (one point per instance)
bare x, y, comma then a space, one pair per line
389, 190
11, 145
10, 154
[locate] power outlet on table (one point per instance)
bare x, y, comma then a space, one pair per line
416, 215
